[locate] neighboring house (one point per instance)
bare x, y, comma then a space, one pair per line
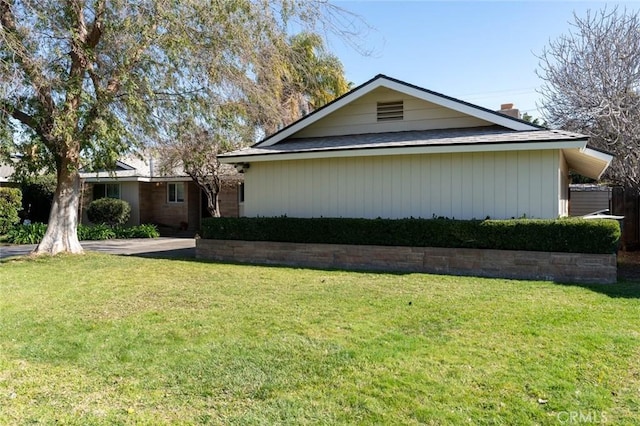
6, 172
393, 150
172, 202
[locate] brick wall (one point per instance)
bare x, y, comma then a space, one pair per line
560, 267
228, 201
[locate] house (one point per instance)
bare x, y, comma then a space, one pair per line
172, 201
394, 150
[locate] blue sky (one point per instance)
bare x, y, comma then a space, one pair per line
483, 52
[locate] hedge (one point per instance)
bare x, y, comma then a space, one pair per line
562, 235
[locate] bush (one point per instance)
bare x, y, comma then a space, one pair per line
95, 232
10, 205
140, 231
33, 233
109, 211
564, 235
27, 234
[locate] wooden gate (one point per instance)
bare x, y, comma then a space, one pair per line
627, 203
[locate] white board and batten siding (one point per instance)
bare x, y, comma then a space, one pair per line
359, 117
563, 179
498, 185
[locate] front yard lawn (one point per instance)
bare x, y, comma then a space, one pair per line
101, 339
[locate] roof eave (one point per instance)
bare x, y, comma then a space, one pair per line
588, 162
576, 144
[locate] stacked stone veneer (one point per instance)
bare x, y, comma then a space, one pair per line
560, 267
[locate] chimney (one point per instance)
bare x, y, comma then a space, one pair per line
508, 109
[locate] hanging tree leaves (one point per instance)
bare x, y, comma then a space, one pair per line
592, 86
84, 81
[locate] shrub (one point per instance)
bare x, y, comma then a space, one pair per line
140, 231
95, 232
109, 211
564, 235
33, 233
27, 234
10, 205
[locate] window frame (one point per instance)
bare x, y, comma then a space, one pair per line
175, 192
105, 193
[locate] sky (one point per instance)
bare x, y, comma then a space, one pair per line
483, 52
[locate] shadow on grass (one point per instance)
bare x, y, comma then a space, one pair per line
177, 254
624, 289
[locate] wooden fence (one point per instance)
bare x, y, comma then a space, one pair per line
627, 203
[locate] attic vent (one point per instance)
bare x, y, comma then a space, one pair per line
388, 111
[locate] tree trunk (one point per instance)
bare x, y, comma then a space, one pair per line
213, 204
62, 230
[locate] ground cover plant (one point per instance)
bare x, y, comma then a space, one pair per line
100, 339
33, 233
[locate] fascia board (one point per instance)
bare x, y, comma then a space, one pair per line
111, 179
598, 155
432, 149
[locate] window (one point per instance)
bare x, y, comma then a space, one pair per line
176, 192
389, 111
106, 190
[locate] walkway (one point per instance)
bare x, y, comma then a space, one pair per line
147, 247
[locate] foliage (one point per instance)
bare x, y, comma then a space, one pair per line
10, 205
307, 79
97, 232
592, 86
33, 232
110, 211
138, 231
564, 235
529, 118
37, 196
83, 82
27, 234
130, 340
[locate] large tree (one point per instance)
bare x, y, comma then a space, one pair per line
592, 85
84, 81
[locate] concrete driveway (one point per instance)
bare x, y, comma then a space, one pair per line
163, 247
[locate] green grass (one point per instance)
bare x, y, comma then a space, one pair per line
101, 339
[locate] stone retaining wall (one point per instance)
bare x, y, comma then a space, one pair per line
560, 267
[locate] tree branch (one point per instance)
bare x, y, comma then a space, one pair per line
30, 66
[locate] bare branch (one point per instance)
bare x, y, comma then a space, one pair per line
592, 85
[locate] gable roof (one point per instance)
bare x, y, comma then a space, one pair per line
382, 80
499, 133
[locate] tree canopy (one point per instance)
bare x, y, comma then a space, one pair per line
84, 81
592, 86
